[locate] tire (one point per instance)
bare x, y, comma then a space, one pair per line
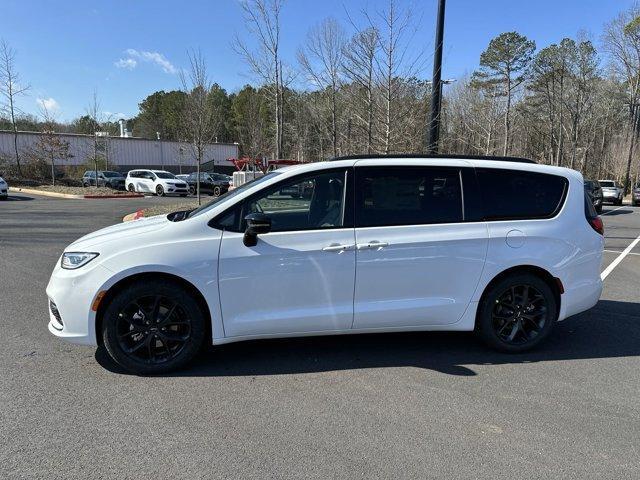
497, 320
618, 201
85, 184
160, 191
3, 198
108, 185
217, 190
126, 326
131, 188
192, 190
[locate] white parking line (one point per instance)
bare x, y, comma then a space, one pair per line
611, 211
618, 251
619, 258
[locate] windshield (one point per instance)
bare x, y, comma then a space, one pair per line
607, 183
111, 174
164, 175
232, 193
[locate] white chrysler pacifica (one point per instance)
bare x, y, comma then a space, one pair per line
502, 246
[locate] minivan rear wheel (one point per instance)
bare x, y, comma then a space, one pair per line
160, 191
154, 327
517, 313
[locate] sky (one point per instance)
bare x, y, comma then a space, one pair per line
126, 50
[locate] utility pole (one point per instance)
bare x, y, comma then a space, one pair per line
436, 85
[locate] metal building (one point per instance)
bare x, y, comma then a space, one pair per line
126, 153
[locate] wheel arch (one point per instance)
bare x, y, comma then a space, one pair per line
136, 277
554, 283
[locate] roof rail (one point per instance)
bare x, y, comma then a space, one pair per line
422, 155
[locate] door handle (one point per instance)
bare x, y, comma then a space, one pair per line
371, 245
335, 247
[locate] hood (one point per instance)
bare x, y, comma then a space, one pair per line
119, 232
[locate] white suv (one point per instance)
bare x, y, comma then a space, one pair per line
505, 248
156, 181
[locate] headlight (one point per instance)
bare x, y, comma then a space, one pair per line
73, 260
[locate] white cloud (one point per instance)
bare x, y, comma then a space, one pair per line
127, 63
48, 104
150, 57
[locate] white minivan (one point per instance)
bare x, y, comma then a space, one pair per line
502, 246
159, 182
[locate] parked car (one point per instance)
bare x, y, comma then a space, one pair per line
612, 191
210, 183
4, 189
159, 182
505, 248
594, 190
635, 195
106, 178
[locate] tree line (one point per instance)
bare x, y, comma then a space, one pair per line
359, 86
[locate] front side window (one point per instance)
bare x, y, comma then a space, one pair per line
516, 195
308, 203
165, 175
387, 196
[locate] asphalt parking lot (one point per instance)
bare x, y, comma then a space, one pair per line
432, 405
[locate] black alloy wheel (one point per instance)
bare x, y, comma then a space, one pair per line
153, 327
217, 190
517, 313
160, 191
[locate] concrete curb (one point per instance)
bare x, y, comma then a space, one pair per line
127, 195
70, 195
133, 216
45, 194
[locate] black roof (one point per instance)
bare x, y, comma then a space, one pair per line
422, 155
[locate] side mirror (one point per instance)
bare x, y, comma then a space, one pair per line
257, 223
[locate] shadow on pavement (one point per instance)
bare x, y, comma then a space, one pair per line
18, 198
611, 329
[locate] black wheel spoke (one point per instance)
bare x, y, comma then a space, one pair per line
519, 314
153, 329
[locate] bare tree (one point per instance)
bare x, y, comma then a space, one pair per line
262, 18
622, 41
197, 124
10, 89
359, 64
322, 61
50, 146
394, 63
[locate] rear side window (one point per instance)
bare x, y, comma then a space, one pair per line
517, 195
407, 196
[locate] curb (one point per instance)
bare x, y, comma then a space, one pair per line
45, 194
133, 216
70, 195
128, 195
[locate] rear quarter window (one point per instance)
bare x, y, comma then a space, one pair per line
519, 195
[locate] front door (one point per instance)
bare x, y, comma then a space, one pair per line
299, 278
418, 260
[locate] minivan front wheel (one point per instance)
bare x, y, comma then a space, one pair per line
154, 327
517, 313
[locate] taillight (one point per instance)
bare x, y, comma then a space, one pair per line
597, 224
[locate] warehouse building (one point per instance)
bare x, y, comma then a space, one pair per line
124, 152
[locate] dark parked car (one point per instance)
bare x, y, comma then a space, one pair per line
635, 195
210, 183
594, 190
106, 178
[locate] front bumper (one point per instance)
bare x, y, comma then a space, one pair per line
71, 294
